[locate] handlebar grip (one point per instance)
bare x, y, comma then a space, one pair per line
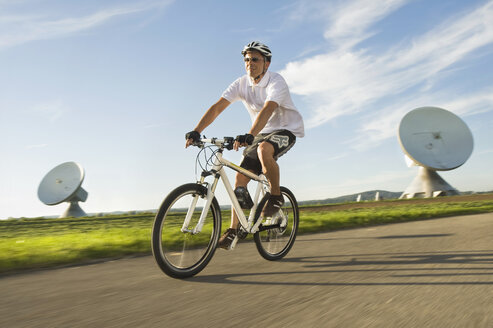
245, 138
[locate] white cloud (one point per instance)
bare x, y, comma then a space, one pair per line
346, 80
383, 124
470, 104
351, 21
17, 29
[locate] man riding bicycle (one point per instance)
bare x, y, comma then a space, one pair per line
275, 125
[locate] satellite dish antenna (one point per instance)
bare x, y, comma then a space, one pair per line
63, 184
435, 140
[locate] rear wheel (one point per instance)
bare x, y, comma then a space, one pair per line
278, 233
182, 253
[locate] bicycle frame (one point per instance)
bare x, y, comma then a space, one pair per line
219, 172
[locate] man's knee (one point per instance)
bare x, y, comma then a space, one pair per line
241, 180
265, 150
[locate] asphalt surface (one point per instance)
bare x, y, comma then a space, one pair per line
434, 273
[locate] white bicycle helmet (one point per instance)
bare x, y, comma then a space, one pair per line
260, 47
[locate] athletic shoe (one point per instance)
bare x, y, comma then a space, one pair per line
227, 238
273, 205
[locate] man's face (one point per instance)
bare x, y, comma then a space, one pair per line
255, 63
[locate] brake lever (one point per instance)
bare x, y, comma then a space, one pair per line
228, 142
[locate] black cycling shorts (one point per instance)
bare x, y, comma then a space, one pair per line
282, 140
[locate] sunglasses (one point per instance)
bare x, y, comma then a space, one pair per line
252, 59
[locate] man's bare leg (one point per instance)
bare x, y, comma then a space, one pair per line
269, 166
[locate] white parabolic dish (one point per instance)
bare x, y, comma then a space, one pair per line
62, 183
435, 138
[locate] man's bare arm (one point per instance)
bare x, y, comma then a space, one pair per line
210, 115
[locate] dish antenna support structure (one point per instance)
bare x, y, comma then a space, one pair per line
63, 184
435, 140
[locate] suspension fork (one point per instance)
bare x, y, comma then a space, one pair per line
211, 188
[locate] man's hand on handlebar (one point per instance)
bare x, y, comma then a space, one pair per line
192, 137
243, 141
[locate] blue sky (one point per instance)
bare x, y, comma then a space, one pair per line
115, 85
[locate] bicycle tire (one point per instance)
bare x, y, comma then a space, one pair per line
184, 254
273, 244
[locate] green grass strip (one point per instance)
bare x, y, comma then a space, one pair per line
38, 243
318, 221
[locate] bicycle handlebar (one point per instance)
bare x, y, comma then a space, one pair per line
226, 142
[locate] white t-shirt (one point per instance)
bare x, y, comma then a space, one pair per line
274, 88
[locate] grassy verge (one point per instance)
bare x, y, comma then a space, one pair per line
36, 243
316, 221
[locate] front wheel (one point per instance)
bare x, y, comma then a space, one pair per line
180, 250
277, 234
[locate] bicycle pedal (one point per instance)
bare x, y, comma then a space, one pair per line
244, 198
242, 234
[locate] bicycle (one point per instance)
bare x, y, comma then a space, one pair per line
187, 225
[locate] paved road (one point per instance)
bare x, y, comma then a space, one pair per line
435, 273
